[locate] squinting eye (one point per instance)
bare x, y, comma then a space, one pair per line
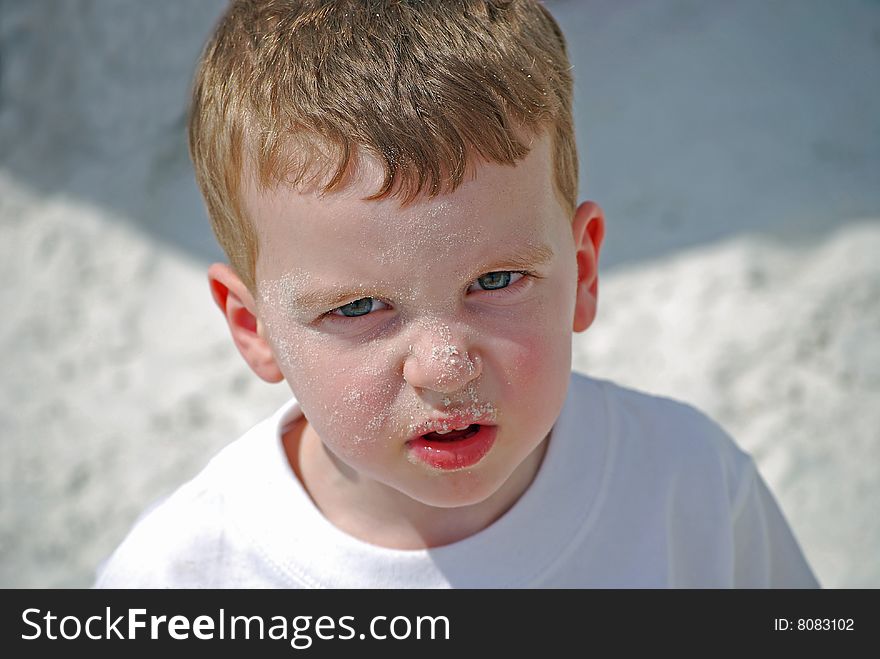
359, 307
495, 280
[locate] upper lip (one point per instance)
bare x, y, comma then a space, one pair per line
452, 422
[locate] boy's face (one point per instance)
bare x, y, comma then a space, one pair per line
393, 323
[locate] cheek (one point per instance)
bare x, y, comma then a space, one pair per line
347, 396
538, 344
534, 363
535, 359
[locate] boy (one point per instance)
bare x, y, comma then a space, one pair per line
394, 184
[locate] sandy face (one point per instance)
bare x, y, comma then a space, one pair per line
459, 311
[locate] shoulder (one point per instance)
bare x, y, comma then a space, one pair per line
675, 470
189, 538
163, 548
662, 436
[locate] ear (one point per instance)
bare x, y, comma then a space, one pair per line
239, 309
588, 230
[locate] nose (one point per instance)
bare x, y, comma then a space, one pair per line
437, 363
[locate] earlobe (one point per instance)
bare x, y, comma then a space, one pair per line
588, 231
238, 307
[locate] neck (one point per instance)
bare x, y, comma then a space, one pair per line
382, 515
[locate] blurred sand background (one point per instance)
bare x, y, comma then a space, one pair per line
735, 147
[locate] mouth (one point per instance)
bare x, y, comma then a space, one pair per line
453, 449
453, 435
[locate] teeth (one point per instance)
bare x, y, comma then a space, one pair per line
446, 432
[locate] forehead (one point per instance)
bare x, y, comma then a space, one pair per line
497, 207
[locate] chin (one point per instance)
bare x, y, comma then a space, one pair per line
456, 490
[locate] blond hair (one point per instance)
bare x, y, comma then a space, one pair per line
292, 90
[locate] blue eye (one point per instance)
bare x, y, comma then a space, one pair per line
360, 307
494, 281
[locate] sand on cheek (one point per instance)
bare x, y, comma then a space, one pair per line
351, 399
352, 407
345, 397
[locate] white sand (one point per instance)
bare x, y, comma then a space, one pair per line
119, 381
739, 170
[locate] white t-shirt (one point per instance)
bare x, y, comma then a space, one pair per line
634, 491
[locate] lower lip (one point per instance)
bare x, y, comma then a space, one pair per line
455, 454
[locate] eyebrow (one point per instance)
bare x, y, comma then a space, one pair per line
524, 258
328, 299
